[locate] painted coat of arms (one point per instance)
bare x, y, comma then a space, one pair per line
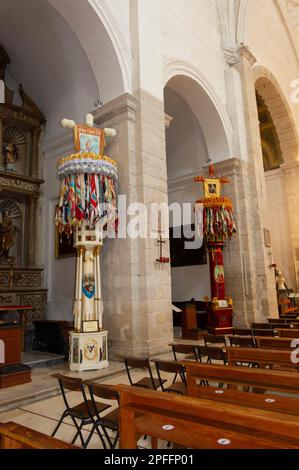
88, 285
91, 350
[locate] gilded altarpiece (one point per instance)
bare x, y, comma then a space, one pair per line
21, 277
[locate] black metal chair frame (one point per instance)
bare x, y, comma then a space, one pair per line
76, 415
166, 366
244, 332
261, 326
99, 421
146, 366
214, 339
208, 351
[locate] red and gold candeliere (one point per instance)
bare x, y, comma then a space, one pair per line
217, 225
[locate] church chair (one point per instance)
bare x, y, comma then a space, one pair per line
261, 326
186, 349
49, 337
242, 332
212, 353
40, 339
214, 339
279, 321
189, 349
284, 326
261, 332
144, 364
109, 421
172, 368
242, 341
84, 412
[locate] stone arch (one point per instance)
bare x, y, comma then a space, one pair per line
195, 89
72, 51
269, 89
100, 21
241, 20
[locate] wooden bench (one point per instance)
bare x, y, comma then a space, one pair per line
270, 402
268, 341
273, 343
201, 423
261, 356
266, 379
16, 436
289, 333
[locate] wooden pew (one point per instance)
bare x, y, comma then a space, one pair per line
261, 356
290, 333
269, 402
269, 342
16, 436
200, 423
273, 343
266, 379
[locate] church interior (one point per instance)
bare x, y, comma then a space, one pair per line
149, 231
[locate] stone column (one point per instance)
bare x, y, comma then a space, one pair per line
238, 266
35, 153
251, 199
136, 289
32, 231
1, 142
290, 172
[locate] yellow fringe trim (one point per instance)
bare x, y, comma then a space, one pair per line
215, 201
89, 155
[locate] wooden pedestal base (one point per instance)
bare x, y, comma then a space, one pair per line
220, 321
16, 374
189, 323
12, 372
88, 351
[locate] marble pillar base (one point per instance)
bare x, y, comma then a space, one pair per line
88, 351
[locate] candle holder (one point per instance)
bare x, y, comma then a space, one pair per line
163, 260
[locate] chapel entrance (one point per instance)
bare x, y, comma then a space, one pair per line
279, 150
195, 137
60, 76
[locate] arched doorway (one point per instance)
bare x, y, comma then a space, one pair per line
66, 71
280, 150
195, 136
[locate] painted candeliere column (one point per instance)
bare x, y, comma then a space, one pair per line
87, 208
217, 225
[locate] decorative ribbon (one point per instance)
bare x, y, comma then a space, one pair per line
218, 221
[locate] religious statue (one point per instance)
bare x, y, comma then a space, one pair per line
10, 156
7, 234
281, 287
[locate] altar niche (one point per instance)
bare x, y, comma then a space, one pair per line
20, 130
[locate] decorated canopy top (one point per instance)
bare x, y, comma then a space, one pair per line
218, 221
89, 180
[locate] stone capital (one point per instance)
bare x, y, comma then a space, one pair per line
228, 167
290, 167
123, 107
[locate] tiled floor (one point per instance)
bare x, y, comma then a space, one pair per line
39, 405
44, 415
43, 385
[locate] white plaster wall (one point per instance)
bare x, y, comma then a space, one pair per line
191, 33
59, 273
279, 224
187, 153
268, 38
48, 59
